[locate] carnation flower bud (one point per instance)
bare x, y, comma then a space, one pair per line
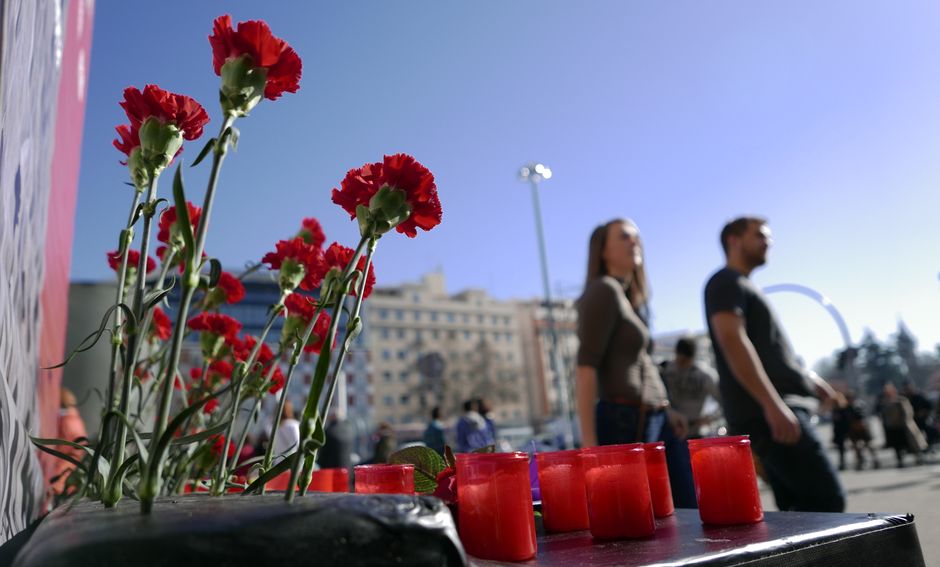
242, 85
159, 142
291, 274
387, 209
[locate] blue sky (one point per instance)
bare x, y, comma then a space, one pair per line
824, 117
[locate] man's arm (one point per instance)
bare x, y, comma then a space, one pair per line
749, 372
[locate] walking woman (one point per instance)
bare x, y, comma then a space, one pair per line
620, 395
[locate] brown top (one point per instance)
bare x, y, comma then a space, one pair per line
614, 342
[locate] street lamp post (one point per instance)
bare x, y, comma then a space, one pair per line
534, 173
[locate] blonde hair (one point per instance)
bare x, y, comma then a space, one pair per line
638, 291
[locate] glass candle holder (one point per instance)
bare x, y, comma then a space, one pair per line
494, 506
725, 481
618, 491
564, 503
330, 480
658, 474
385, 479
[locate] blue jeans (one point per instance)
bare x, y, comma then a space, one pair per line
801, 476
617, 424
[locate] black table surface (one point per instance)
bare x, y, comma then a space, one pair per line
789, 539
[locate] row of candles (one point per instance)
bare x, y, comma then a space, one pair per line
615, 491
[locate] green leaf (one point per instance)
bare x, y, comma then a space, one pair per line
54, 442
269, 474
61, 455
182, 215
164, 442
157, 295
96, 335
428, 464
141, 447
214, 430
487, 449
126, 465
204, 152
215, 272
449, 457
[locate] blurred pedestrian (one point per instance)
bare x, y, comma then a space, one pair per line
385, 444
689, 385
473, 432
620, 396
287, 437
434, 432
901, 433
765, 392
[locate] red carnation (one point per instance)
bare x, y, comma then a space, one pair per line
210, 407
338, 256
303, 308
446, 485
168, 221
254, 38
300, 306
187, 114
241, 349
399, 172
219, 443
215, 323
129, 139
277, 381
161, 327
229, 289
312, 232
320, 330
133, 260
303, 255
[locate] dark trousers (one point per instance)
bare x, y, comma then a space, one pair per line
801, 476
617, 424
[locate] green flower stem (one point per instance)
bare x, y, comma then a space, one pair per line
148, 316
254, 410
312, 408
124, 250
352, 325
239, 376
282, 399
150, 478
114, 487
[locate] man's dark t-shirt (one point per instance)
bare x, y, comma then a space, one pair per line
728, 290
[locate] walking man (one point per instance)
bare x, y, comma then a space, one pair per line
765, 393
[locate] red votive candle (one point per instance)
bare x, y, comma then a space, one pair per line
564, 504
618, 491
725, 482
330, 480
494, 503
385, 479
658, 474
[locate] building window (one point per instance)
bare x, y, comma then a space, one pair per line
480, 318
417, 315
435, 334
400, 333
387, 376
508, 337
402, 355
383, 313
495, 320
386, 355
399, 314
384, 333
388, 401
454, 355
466, 335
403, 376
510, 357
417, 334
466, 318
455, 376
405, 399
351, 400
450, 317
433, 315
416, 298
